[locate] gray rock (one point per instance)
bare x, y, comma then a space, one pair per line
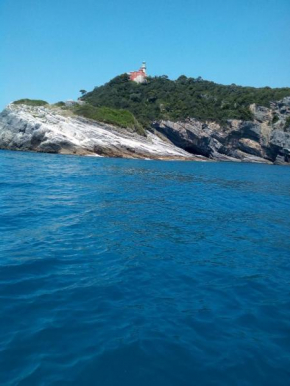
261, 113
251, 147
280, 139
257, 141
45, 130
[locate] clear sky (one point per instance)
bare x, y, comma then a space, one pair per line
50, 49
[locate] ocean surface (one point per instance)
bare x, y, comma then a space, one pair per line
143, 273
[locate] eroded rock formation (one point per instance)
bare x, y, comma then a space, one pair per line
265, 139
46, 130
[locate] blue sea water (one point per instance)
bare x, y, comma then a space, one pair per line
143, 273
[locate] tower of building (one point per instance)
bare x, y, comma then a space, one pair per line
143, 67
140, 75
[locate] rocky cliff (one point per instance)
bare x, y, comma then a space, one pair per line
43, 129
265, 139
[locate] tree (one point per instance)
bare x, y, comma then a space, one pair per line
182, 79
83, 92
162, 98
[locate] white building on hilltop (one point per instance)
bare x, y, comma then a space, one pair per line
140, 75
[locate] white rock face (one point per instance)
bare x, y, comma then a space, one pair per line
43, 129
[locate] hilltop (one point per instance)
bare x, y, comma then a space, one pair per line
163, 99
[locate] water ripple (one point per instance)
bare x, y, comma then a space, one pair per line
128, 272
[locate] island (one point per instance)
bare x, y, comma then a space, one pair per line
138, 116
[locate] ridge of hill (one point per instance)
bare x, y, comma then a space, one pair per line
163, 99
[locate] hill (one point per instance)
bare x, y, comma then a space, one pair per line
162, 98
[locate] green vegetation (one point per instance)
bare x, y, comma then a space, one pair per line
121, 118
124, 103
31, 102
275, 119
59, 104
162, 98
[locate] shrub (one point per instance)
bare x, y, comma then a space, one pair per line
118, 117
30, 102
59, 104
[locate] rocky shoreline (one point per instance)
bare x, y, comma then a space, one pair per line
46, 130
266, 139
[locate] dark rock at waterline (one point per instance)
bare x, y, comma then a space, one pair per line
259, 140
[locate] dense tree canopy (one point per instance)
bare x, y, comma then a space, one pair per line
162, 98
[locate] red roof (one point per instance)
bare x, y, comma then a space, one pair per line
134, 74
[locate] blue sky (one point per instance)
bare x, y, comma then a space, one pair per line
50, 49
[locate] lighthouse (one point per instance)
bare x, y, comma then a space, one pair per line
143, 67
140, 75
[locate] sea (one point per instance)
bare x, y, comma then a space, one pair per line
117, 272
